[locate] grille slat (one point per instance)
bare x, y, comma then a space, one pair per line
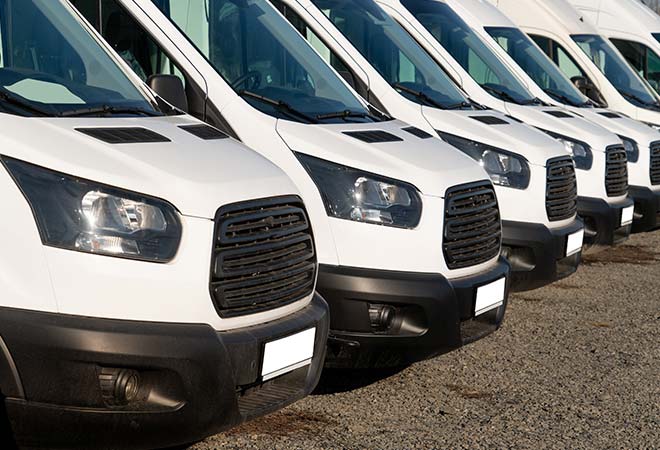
264, 256
473, 230
561, 189
655, 163
616, 171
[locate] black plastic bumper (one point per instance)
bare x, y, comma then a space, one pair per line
602, 222
194, 381
647, 209
537, 254
432, 316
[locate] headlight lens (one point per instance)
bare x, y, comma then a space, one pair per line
632, 149
505, 168
581, 151
85, 216
353, 194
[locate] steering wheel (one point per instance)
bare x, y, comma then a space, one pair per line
253, 76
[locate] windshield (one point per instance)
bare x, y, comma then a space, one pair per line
51, 66
469, 50
396, 56
537, 65
616, 70
265, 60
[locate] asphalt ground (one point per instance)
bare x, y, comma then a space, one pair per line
575, 365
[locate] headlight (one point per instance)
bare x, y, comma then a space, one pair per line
581, 152
632, 149
505, 168
353, 194
85, 216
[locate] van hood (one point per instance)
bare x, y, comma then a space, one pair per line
620, 124
428, 163
496, 129
566, 123
197, 176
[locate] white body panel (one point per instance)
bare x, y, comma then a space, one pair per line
590, 183
516, 205
558, 20
430, 165
481, 14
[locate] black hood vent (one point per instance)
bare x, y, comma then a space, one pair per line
373, 137
124, 135
610, 115
417, 132
205, 132
489, 120
559, 114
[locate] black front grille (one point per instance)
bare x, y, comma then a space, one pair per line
655, 163
616, 171
264, 256
561, 190
473, 231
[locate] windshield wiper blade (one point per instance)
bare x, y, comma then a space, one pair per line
419, 94
500, 93
342, 115
24, 104
279, 104
639, 100
460, 105
107, 109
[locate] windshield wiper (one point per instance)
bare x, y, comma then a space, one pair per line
343, 115
279, 104
630, 96
565, 99
24, 104
460, 105
419, 94
503, 95
107, 109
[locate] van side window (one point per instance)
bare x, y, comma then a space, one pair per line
560, 56
642, 58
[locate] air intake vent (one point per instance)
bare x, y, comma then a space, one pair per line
264, 256
205, 132
417, 132
123, 135
610, 115
655, 163
490, 120
473, 231
559, 114
373, 137
561, 189
616, 171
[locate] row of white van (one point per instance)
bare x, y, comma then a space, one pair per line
208, 201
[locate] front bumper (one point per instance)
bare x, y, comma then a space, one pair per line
647, 209
602, 221
537, 254
194, 381
433, 315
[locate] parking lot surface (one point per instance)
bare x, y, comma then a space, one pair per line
576, 365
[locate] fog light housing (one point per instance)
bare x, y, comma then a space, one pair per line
381, 317
119, 386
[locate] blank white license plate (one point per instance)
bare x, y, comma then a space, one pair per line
287, 354
627, 215
490, 296
574, 242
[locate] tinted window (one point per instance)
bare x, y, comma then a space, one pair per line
642, 58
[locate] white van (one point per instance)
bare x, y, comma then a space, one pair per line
548, 83
586, 57
542, 236
146, 298
408, 229
633, 28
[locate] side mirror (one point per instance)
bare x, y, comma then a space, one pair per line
581, 83
348, 77
170, 88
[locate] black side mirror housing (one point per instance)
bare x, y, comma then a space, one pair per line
590, 90
581, 83
169, 88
